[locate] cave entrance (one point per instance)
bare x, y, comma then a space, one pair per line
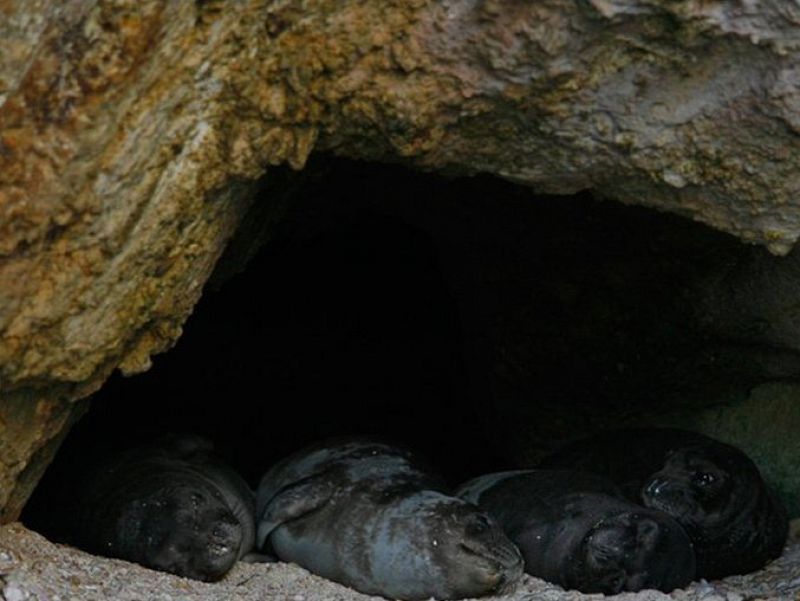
464, 316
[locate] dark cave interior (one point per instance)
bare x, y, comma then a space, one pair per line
463, 316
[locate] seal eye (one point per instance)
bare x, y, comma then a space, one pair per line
478, 526
703, 478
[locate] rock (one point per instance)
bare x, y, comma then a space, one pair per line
131, 134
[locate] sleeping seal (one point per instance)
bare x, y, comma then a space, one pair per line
575, 530
713, 490
171, 505
367, 514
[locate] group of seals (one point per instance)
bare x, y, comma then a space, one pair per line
369, 515
361, 512
171, 505
622, 511
574, 529
712, 489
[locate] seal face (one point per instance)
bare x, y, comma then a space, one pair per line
573, 529
171, 506
712, 489
369, 515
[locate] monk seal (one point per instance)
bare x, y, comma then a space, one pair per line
576, 530
171, 505
369, 515
736, 522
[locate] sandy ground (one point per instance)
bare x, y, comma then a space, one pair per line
32, 568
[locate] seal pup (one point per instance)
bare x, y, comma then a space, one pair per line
736, 522
371, 516
170, 505
575, 530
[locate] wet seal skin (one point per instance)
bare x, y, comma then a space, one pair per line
736, 522
369, 515
171, 505
575, 530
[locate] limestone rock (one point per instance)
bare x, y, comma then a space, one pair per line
131, 133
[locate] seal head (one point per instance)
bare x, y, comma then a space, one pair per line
575, 530
632, 551
713, 490
186, 530
717, 494
171, 505
431, 545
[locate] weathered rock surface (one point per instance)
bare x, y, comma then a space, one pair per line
131, 133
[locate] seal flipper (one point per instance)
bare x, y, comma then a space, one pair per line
294, 501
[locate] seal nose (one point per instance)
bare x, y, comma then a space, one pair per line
654, 488
505, 578
224, 538
665, 490
508, 554
495, 580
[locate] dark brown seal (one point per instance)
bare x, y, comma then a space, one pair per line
712, 489
575, 530
367, 514
171, 505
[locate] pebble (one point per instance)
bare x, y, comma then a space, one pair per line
12, 592
8, 561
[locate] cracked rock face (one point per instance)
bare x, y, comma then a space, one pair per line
131, 134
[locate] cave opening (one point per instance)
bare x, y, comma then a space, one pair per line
465, 317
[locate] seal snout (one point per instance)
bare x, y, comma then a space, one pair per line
499, 574
502, 555
508, 557
501, 581
654, 487
485, 539
496, 562
512, 566
639, 550
204, 548
667, 495
503, 565
225, 538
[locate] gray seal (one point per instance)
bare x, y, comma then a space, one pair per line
369, 515
736, 522
171, 505
575, 530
